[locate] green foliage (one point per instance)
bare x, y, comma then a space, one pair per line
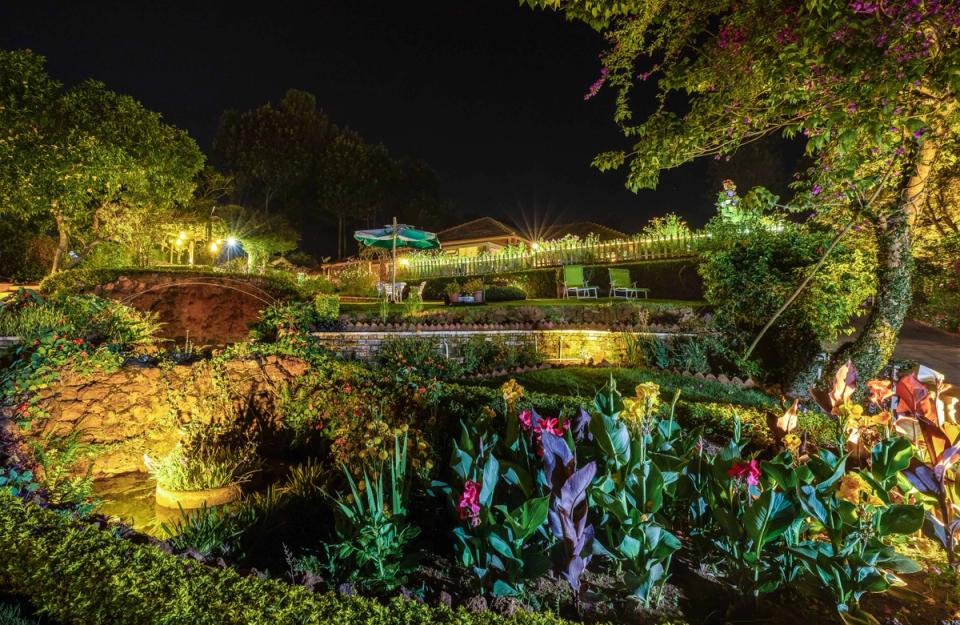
413, 304
504, 293
18, 482
207, 531
478, 355
667, 226
327, 307
281, 284
208, 457
482, 355
95, 161
10, 615
749, 280
357, 279
35, 542
59, 458
419, 355
372, 526
95, 319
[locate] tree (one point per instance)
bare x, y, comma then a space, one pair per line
96, 161
670, 225
273, 152
871, 87
351, 182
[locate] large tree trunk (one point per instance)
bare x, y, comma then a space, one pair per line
62, 242
873, 348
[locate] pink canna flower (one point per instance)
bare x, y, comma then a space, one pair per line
469, 506
526, 419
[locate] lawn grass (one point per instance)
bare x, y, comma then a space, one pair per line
374, 307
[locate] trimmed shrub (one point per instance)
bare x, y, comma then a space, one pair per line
77, 573
508, 293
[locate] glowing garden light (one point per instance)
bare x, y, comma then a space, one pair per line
231, 241
213, 246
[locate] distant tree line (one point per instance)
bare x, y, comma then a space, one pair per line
90, 176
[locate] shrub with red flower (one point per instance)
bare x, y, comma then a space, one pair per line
469, 505
746, 471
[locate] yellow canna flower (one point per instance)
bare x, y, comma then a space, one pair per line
512, 391
855, 489
791, 442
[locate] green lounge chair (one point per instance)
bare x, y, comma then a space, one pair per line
574, 283
621, 285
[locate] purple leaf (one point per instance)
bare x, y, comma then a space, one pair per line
575, 488
923, 479
580, 426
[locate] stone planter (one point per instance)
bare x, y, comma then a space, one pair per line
453, 297
192, 499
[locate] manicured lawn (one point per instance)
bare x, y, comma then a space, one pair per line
374, 307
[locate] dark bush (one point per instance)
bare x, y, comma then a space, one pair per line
506, 293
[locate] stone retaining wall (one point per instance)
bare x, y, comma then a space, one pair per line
138, 410
557, 346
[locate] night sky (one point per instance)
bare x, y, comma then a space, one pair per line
489, 93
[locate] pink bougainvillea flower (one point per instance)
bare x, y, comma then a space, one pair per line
747, 471
469, 506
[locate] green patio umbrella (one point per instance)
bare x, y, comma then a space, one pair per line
397, 235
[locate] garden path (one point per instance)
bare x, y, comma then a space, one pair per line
930, 346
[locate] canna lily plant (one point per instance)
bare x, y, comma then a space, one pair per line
500, 507
640, 470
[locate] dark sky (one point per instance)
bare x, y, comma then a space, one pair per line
489, 93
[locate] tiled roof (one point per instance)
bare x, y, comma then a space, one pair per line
483, 228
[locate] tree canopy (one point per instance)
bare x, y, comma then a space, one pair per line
870, 87
94, 160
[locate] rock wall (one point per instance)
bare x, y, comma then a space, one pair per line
139, 410
207, 309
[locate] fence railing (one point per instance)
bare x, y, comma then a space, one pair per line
554, 254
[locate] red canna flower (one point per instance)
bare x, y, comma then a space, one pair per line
747, 471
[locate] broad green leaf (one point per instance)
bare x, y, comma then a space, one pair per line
768, 517
900, 519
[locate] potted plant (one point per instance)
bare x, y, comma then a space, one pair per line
452, 289
474, 287
203, 470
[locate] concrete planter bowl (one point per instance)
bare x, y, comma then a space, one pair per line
193, 499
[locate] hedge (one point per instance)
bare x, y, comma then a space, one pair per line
79, 574
666, 279
716, 418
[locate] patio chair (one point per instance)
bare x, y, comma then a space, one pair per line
621, 285
575, 283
